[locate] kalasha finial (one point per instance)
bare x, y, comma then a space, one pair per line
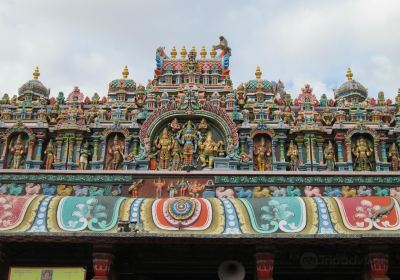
349, 74
183, 52
194, 50
203, 52
173, 52
213, 52
125, 72
258, 73
36, 73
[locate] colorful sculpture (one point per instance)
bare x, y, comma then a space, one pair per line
188, 137
292, 154
329, 154
262, 155
362, 151
116, 152
207, 149
50, 154
84, 157
394, 156
18, 151
164, 144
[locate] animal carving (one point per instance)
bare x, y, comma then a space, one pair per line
32, 188
64, 190
81, 191
117, 191
278, 192
381, 191
15, 189
364, 191
395, 191
195, 189
333, 192
242, 193
222, 192
292, 191
382, 211
96, 191
3, 188
259, 192
349, 192
48, 189
310, 191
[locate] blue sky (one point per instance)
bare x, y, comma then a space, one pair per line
87, 43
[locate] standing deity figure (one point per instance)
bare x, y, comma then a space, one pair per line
394, 156
182, 185
292, 154
262, 154
176, 157
18, 151
164, 144
50, 154
171, 189
208, 148
188, 137
159, 187
362, 151
329, 154
117, 154
84, 156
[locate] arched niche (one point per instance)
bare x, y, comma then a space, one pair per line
262, 151
114, 150
363, 152
16, 150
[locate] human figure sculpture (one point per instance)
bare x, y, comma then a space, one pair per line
329, 154
18, 151
362, 152
188, 137
171, 189
159, 187
262, 155
208, 148
176, 156
50, 154
292, 154
394, 156
84, 156
164, 144
117, 154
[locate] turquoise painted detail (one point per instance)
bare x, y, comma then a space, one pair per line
231, 219
277, 213
324, 220
93, 213
40, 222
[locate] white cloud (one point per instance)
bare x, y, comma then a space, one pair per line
86, 43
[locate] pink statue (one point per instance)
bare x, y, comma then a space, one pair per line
310, 191
222, 192
32, 188
159, 187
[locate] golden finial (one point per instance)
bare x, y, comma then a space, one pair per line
194, 50
173, 52
349, 74
183, 52
36, 73
203, 52
258, 73
125, 72
213, 53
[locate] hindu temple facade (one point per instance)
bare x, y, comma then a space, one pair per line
191, 162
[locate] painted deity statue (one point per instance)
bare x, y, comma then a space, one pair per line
50, 154
262, 155
208, 148
84, 157
292, 154
18, 151
362, 151
164, 144
188, 137
117, 154
394, 156
176, 156
159, 184
329, 154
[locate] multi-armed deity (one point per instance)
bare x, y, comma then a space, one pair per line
116, 152
164, 144
50, 154
363, 150
208, 149
394, 156
18, 151
262, 153
293, 154
329, 154
189, 138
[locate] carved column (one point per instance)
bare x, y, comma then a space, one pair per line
273, 151
340, 151
78, 145
313, 141
59, 146
95, 149
70, 143
135, 147
103, 149
3, 144
102, 263
264, 266
250, 144
307, 146
30, 148
383, 151
348, 152
39, 149
378, 264
127, 145
282, 150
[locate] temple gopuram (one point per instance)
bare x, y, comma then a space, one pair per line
190, 177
